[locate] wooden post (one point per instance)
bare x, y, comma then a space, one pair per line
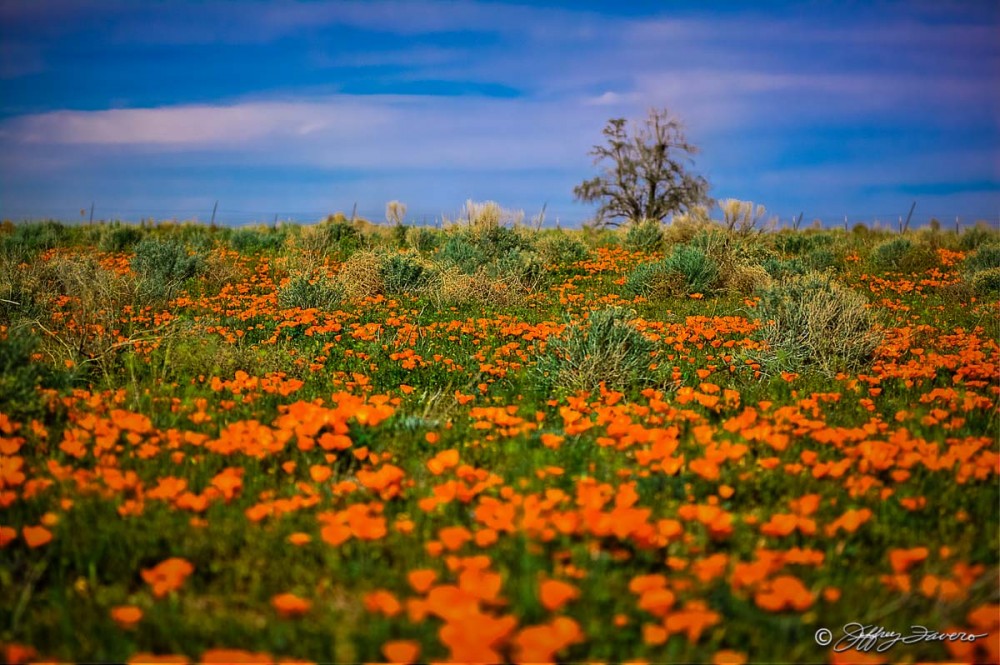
354, 212
906, 227
91, 213
214, 208
956, 225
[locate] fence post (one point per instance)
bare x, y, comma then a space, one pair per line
214, 208
91, 213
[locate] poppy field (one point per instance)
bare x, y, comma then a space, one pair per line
489, 443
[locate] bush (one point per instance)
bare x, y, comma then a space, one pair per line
561, 250
164, 266
781, 269
457, 288
460, 251
645, 236
424, 240
118, 237
697, 269
361, 275
813, 320
653, 281
986, 283
319, 293
821, 258
519, 269
21, 377
903, 255
254, 241
980, 234
603, 349
403, 274
986, 257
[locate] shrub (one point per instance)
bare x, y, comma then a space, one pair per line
519, 269
457, 288
495, 242
403, 274
164, 266
254, 241
118, 237
21, 377
653, 281
746, 278
561, 250
980, 234
605, 348
813, 320
460, 251
698, 270
903, 255
318, 293
986, 257
821, 258
39, 236
986, 282
361, 275
781, 269
644, 236
332, 236
424, 240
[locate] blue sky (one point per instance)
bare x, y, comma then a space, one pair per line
299, 109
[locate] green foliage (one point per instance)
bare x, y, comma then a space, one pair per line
784, 268
562, 250
318, 293
986, 282
518, 268
424, 240
821, 258
903, 255
698, 270
605, 349
336, 236
255, 241
403, 274
644, 236
986, 257
21, 376
460, 251
652, 280
118, 237
813, 320
980, 234
399, 235
164, 266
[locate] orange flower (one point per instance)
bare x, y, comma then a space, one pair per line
729, 657
167, 576
784, 592
298, 538
453, 537
540, 644
36, 536
126, 616
290, 605
401, 651
381, 601
901, 560
444, 460
422, 579
554, 594
7, 536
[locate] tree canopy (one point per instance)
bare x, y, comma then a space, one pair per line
645, 173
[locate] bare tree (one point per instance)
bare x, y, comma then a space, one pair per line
646, 175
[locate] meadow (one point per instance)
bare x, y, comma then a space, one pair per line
345, 442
